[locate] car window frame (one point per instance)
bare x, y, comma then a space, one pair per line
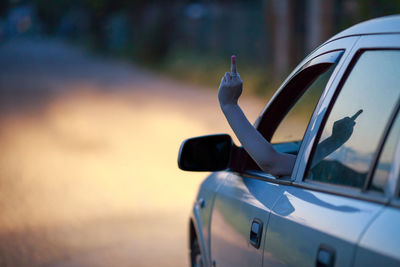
344, 45
366, 42
382, 141
394, 177
286, 98
312, 70
392, 188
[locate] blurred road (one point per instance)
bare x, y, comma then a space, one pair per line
88, 172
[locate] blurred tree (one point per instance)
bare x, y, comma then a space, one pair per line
376, 8
270, 34
280, 17
320, 18
4, 5
50, 12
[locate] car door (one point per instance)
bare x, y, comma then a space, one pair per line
243, 203
380, 245
320, 218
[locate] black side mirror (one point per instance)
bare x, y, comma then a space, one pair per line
205, 153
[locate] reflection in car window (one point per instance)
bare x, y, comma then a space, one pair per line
356, 123
293, 126
382, 169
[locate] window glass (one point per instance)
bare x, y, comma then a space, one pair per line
294, 125
382, 169
358, 118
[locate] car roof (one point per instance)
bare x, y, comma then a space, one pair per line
388, 24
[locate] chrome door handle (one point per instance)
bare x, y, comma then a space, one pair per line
256, 233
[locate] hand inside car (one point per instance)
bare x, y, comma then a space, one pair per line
342, 129
341, 132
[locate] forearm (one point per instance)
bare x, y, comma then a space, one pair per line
255, 144
325, 148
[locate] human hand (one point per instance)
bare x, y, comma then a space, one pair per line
343, 129
231, 85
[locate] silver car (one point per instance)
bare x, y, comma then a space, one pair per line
339, 208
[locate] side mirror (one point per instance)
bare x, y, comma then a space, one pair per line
205, 153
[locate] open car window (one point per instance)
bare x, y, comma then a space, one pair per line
293, 126
287, 115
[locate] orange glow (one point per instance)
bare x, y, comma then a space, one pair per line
94, 169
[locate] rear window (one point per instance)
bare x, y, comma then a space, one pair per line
384, 163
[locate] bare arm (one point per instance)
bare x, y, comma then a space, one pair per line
267, 158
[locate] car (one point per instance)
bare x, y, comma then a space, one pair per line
340, 206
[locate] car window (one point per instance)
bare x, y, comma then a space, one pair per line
357, 121
384, 163
293, 126
286, 116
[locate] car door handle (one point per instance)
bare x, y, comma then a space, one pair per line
325, 256
256, 233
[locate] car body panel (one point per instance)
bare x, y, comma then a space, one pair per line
380, 246
303, 220
384, 25
239, 201
202, 210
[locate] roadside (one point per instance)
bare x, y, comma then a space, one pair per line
88, 169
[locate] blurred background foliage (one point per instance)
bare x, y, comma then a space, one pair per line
193, 40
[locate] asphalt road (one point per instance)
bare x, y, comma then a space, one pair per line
88, 172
